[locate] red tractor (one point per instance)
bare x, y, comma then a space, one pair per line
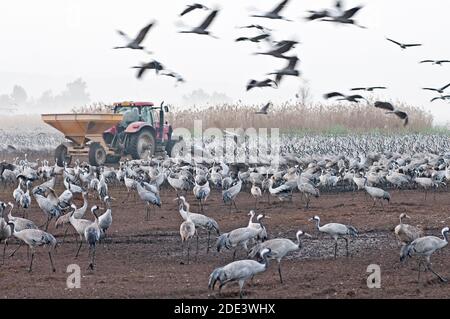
136, 129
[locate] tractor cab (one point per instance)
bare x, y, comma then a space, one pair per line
139, 114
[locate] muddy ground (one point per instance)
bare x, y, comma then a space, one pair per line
142, 258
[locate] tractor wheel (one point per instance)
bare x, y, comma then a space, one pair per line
61, 156
97, 154
142, 144
176, 148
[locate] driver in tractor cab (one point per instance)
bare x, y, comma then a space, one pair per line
129, 116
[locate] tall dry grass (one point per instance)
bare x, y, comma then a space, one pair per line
295, 117
298, 117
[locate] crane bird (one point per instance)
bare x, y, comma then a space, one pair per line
201, 29
369, 89
105, 220
240, 236
80, 224
345, 17
187, 231
135, 43
283, 192
193, 7
20, 223
152, 65
424, 247
342, 97
25, 199
239, 271
377, 194
438, 90
18, 192
435, 62
201, 193
5, 230
443, 97
255, 26
256, 193
201, 221
307, 190
149, 198
280, 48
74, 189
275, 13
279, 247
256, 39
92, 234
289, 70
336, 231
392, 110
229, 195
260, 84
406, 233
78, 213
262, 236
264, 110
404, 46
34, 238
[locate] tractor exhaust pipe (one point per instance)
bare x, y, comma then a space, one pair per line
161, 122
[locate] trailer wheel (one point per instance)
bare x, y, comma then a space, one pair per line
142, 144
97, 154
62, 156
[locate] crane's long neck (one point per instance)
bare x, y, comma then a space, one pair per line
251, 218
318, 223
445, 235
401, 219
266, 261
299, 242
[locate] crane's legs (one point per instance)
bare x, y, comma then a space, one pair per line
234, 254
65, 233
335, 249
182, 250
188, 250
209, 237
12, 254
241, 285
234, 203
196, 251
346, 244
279, 272
91, 265
51, 261
31, 262
147, 213
79, 247
442, 279
418, 277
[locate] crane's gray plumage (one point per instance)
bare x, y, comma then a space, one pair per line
336, 231
238, 271
279, 248
424, 247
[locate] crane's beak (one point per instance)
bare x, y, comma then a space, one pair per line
307, 235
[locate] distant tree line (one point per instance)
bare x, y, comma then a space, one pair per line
73, 95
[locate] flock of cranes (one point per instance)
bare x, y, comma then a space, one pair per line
374, 173
281, 49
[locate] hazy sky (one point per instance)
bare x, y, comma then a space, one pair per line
47, 43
